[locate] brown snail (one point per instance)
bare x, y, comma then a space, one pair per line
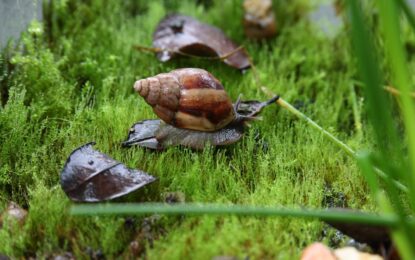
189, 98
196, 109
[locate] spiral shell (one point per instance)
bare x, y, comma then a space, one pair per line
188, 98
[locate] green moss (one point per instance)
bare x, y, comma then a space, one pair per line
72, 83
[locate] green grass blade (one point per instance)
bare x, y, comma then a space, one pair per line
396, 56
384, 204
326, 133
377, 105
363, 159
408, 13
238, 210
356, 112
334, 139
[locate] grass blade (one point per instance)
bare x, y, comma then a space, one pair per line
408, 13
396, 56
238, 210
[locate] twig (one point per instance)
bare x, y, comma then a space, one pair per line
299, 114
330, 136
396, 92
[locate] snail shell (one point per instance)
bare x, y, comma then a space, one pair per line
188, 98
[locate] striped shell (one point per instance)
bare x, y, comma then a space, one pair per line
188, 98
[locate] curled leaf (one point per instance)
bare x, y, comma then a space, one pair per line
155, 134
259, 19
89, 175
184, 35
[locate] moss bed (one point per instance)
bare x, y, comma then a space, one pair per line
69, 80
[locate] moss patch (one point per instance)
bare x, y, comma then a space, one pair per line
71, 82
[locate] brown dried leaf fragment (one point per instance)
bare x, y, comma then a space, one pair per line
15, 212
183, 35
89, 176
259, 19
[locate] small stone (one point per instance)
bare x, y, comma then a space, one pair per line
135, 248
351, 253
317, 251
14, 211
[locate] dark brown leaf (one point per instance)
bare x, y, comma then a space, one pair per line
375, 236
89, 175
179, 34
363, 233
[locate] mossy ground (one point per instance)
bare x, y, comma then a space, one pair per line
70, 81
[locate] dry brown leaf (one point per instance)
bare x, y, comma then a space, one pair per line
259, 19
89, 175
183, 35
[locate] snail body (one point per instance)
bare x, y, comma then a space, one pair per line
188, 98
196, 111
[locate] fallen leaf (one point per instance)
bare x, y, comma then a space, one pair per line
183, 35
89, 175
371, 235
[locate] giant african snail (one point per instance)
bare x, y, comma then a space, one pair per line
196, 109
189, 98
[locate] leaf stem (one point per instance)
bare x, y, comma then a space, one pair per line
356, 112
330, 136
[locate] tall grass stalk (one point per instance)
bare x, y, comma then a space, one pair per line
238, 210
396, 59
389, 154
